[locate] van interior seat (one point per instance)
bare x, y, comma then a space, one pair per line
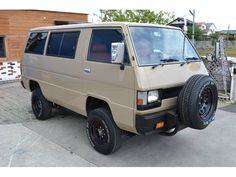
99, 51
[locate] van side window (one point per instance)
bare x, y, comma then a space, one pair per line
63, 44
100, 45
36, 42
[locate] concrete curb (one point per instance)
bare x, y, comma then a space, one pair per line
10, 81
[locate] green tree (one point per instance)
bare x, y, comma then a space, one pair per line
214, 37
141, 16
198, 33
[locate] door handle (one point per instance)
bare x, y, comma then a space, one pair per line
87, 70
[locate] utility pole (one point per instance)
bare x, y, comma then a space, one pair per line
228, 36
185, 28
193, 14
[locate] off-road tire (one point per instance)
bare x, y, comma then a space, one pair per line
197, 102
41, 107
103, 134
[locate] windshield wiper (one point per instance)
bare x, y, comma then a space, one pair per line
164, 61
169, 60
154, 66
191, 58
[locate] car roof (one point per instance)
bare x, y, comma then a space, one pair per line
102, 24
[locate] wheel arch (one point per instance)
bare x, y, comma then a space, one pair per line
33, 85
93, 102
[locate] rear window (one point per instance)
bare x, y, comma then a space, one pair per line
36, 42
63, 44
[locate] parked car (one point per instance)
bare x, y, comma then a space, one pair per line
125, 77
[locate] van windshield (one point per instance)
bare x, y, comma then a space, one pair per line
155, 45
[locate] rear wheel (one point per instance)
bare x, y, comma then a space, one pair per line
41, 107
197, 102
103, 134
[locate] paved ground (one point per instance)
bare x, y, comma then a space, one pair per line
62, 141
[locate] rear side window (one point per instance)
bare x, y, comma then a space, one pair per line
100, 44
54, 44
36, 42
63, 44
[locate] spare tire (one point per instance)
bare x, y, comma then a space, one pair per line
197, 102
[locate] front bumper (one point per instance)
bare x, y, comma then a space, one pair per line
146, 124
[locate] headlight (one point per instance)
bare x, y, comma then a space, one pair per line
153, 96
148, 99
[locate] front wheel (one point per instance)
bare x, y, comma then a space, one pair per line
103, 134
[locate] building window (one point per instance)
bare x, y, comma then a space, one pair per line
58, 22
2, 47
63, 44
36, 43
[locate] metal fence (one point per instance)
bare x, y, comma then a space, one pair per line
222, 70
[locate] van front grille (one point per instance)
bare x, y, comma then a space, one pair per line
171, 92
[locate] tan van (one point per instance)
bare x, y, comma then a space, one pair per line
125, 77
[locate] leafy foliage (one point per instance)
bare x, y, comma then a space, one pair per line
198, 33
141, 16
214, 37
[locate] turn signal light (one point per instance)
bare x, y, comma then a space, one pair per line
140, 101
160, 125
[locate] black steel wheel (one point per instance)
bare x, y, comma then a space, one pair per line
99, 133
41, 107
103, 134
205, 102
37, 106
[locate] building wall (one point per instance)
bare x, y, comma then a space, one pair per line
15, 25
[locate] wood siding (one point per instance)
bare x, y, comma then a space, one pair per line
15, 25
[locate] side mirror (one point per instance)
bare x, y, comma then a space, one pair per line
117, 52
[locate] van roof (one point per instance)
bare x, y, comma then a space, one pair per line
102, 24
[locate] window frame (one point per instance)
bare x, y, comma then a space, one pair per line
4, 47
103, 61
63, 31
